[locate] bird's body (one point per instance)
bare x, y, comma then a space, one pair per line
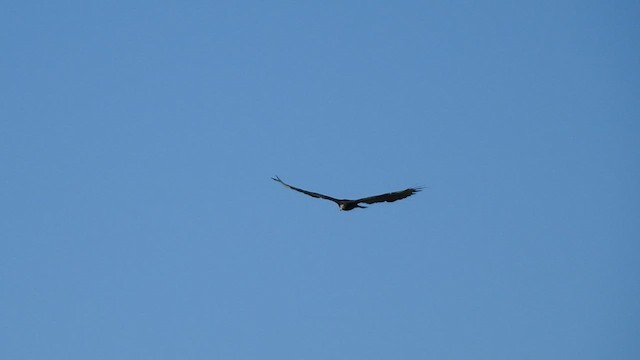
347, 204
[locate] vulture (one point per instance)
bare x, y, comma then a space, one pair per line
347, 204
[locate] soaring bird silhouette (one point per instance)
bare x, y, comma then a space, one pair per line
347, 204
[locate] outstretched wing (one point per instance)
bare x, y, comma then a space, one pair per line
315, 195
389, 197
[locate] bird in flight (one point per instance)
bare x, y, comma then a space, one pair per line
346, 204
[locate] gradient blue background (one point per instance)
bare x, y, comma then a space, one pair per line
138, 219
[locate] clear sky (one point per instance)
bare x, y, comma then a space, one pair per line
138, 219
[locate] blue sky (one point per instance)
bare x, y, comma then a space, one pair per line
138, 219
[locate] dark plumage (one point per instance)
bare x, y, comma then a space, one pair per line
347, 204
